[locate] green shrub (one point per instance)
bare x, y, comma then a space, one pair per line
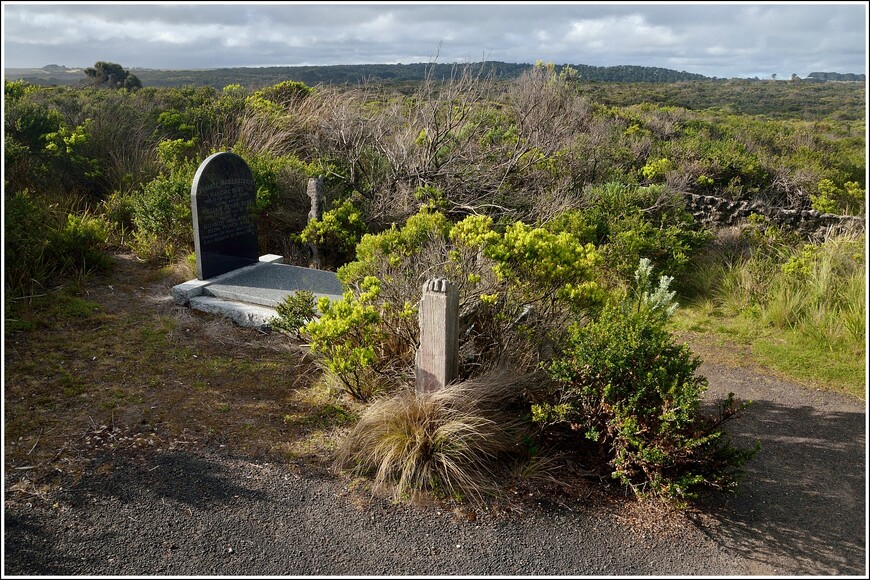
27, 224
656, 170
161, 213
431, 197
68, 156
274, 177
43, 243
350, 339
174, 154
27, 162
849, 199
337, 233
297, 310
285, 93
118, 211
501, 278
395, 246
542, 261
371, 334
625, 386
627, 223
79, 245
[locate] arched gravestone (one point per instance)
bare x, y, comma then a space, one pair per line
223, 201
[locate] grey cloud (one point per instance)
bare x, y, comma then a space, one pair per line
716, 40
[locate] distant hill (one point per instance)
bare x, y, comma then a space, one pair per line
345, 74
832, 76
255, 77
51, 74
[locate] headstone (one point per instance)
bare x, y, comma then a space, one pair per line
223, 201
437, 362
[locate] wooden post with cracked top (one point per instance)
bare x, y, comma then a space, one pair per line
437, 363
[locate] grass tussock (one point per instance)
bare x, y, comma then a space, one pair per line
452, 442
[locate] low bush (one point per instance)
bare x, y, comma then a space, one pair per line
336, 233
79, 245
297, 310
353, 342
161, 210
44, 242
282, 206
627, 223
625, 387
849, 199
26, 238
161, 214
500, 276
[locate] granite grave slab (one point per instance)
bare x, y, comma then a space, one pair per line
269, 284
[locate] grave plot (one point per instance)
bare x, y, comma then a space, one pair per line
233, 280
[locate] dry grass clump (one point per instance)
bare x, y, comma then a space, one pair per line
453, 442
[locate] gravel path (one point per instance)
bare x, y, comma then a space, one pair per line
801, 511
802, 506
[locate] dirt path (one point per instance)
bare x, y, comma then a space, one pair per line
201, 489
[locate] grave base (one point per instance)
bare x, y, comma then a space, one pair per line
250, 294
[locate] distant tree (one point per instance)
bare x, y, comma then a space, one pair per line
794, 77
111, 75
773, 76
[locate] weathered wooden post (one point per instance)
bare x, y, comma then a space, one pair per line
315, 192
438, 354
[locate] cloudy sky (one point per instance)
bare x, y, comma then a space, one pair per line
734, 39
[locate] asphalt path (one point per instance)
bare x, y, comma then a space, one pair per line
801, 510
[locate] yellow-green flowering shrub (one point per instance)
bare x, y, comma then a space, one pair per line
501, 276
348, 335
337, 232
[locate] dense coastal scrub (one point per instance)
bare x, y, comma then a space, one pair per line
555, 204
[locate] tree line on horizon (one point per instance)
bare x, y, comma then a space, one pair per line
355, 74
392, 74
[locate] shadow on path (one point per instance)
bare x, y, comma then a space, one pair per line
800, 508
183, 477
26, 542
150, 499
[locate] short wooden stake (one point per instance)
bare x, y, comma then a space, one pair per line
438, 354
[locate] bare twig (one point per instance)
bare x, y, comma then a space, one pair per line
37, 442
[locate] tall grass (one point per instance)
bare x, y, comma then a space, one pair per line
814, 289
801, 305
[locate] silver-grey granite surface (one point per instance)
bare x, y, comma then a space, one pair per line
269, 284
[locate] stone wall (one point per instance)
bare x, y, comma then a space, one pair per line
810, 223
